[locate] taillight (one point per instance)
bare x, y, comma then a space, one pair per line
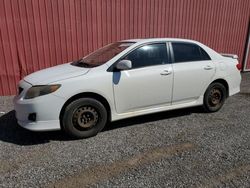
239, 66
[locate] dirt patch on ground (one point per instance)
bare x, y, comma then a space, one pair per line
99, 173
231, 174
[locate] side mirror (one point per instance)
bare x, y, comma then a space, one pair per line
124, 65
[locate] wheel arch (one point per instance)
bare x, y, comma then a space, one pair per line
223, 82
93, 95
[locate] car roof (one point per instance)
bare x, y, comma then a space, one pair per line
158, 40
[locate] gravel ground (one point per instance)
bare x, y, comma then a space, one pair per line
181, 148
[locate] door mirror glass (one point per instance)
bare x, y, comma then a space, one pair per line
124, 65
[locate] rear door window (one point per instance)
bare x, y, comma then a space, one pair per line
185, 52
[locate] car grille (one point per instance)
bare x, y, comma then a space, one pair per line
20, 90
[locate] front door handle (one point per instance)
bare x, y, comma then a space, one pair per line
208, 67
166, 72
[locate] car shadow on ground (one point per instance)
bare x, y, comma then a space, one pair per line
152, 117
11, 132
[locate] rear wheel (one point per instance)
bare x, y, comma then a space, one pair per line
84, 118
214, 97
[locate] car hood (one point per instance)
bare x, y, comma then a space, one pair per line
56, 73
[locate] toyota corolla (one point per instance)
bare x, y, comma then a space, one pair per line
125, 79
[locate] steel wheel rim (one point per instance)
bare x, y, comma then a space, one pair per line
215, 97
85, 117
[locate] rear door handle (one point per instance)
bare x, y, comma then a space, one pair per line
166, 72
208, 67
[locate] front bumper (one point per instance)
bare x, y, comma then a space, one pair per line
47, 109
40, 126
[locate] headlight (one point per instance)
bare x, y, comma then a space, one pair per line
37, 91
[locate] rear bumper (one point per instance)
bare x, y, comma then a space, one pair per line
234, 81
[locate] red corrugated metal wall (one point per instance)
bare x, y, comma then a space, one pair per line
248, 61
247, 55
41, 33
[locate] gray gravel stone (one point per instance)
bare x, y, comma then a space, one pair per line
181, 148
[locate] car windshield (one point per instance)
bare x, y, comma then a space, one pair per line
102, 55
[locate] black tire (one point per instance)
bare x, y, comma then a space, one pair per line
84, 118
214, 97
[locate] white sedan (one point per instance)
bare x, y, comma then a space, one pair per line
125, 79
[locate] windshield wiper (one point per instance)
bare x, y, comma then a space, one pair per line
81, 63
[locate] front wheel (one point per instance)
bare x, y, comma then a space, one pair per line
84, 118
214, 97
